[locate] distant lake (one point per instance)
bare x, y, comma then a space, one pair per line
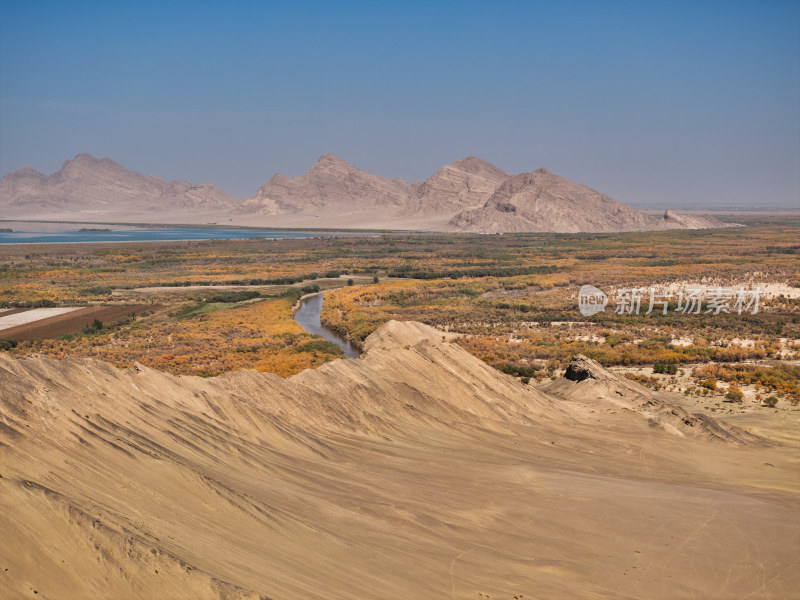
165, 234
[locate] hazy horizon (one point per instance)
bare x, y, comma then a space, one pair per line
678, 105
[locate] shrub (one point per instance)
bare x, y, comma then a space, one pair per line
7, 344
323, 346
615, 339
234, 296
734, 394
292, 293
350, 282
517, 370
97, 290
667, 369
709, 384
771, 401
646, 380
245, 349
95, 326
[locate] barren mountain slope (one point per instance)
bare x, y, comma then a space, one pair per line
88, 186
331, 186
672, 220
466, 183
543, 201
416, 471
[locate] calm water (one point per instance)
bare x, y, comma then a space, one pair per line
156, 235
308, 318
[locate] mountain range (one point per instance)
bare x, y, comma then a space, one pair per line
100, 187
467, 195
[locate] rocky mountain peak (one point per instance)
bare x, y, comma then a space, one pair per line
27, 173
101, 186
85, 164
332, 162
474, 165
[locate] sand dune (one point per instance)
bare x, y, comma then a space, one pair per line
415, 471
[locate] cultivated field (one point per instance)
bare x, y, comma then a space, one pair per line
23, 316
43, 323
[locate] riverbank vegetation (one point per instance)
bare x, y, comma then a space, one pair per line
226, 304
202, 339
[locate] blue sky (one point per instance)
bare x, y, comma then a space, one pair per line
653, 103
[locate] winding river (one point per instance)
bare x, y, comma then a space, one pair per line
307, 316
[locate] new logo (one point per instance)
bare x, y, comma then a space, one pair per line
591, 300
